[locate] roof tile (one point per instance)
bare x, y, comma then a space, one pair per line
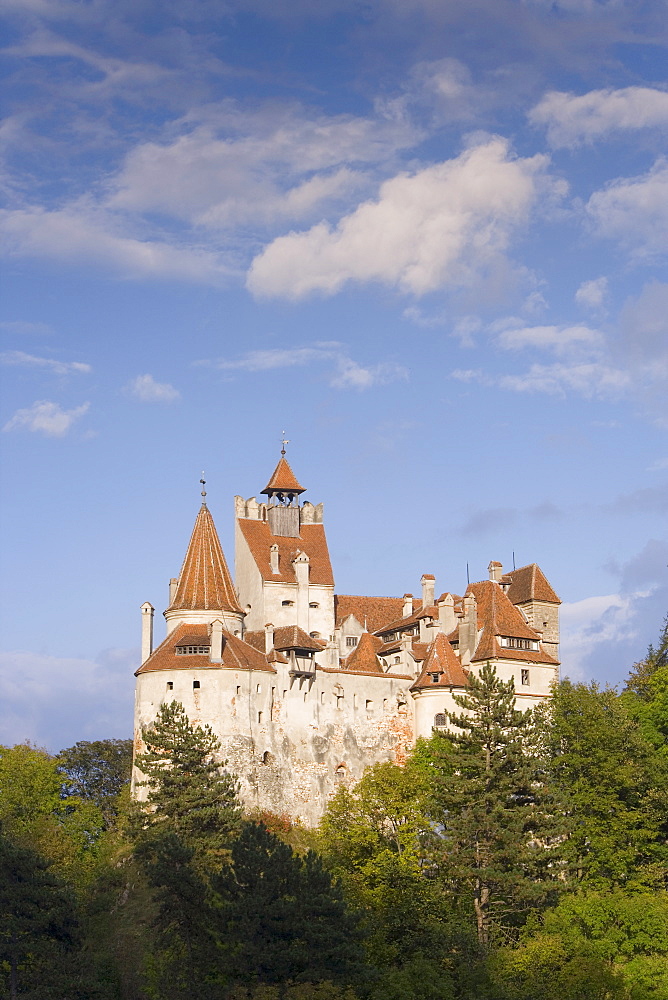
204, 583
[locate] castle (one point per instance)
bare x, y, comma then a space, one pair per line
305, 687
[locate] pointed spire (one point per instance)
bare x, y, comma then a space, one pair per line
204, 582
283, 480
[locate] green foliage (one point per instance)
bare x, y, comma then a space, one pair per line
294, 991
33, 813
616, 789
285, 920
38, 927
96, 772
189, 793
498, 819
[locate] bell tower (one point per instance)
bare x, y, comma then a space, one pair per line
282, 492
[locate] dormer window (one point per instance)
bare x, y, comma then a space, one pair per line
511, 642
390, 637
192, 650
351, 640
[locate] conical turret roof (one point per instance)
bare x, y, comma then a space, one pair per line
283, 480
204, 582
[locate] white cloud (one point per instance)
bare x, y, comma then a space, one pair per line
591, 379
56, 701
30, 361
146, 389
587, 623
571, 119
634, 211
83, 235
443, 225
347, 374
46, 418
592, 293
559, 339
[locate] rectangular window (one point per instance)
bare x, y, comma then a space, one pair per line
369, 705
351, 640
238, 688
195, 685
525, 677
260, 716
170, 685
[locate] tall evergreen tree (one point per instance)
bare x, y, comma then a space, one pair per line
285, 921
190, 794
498, 821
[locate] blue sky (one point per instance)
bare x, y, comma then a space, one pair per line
426, 238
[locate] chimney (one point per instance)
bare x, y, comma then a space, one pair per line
428, 584
146, 630
216, 654
173, 584
408, 606
495, 570
468, 630
446, 613
268, 638
273, 558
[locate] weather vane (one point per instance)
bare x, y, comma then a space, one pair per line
283, 443
203, 482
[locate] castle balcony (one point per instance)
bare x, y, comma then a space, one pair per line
302, 663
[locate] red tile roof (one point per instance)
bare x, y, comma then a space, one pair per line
372, 612
529, 583
236, 653
204, 582
363, 658
441, 659
293, 637
498, 617
402, 623
311, 540
283, 480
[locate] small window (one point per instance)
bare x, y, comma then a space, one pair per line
525, 677
369, 705
196, 685
287, 604
238, 688
439, 720
170, 685
385, 704
192, 650
397, 659
339, 702
267, 757
351, 640
314, 635
354, 701
340, 773
259, 689
313, 604
260, 716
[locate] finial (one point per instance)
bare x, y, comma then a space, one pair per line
203, 482
283, 444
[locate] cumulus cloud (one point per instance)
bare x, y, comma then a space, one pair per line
50, 364
571, 119
78, 234
439, 226
634, 211
146, 389
592, 293
345, 373
45, 417
56, 701
618, 627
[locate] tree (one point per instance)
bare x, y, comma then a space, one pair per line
190, 794
37, 921
498, 821
284, 919
615, 785
641, 674
96, 772
34, 813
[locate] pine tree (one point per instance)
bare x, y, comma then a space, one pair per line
498, 824
284, 919
190, 794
